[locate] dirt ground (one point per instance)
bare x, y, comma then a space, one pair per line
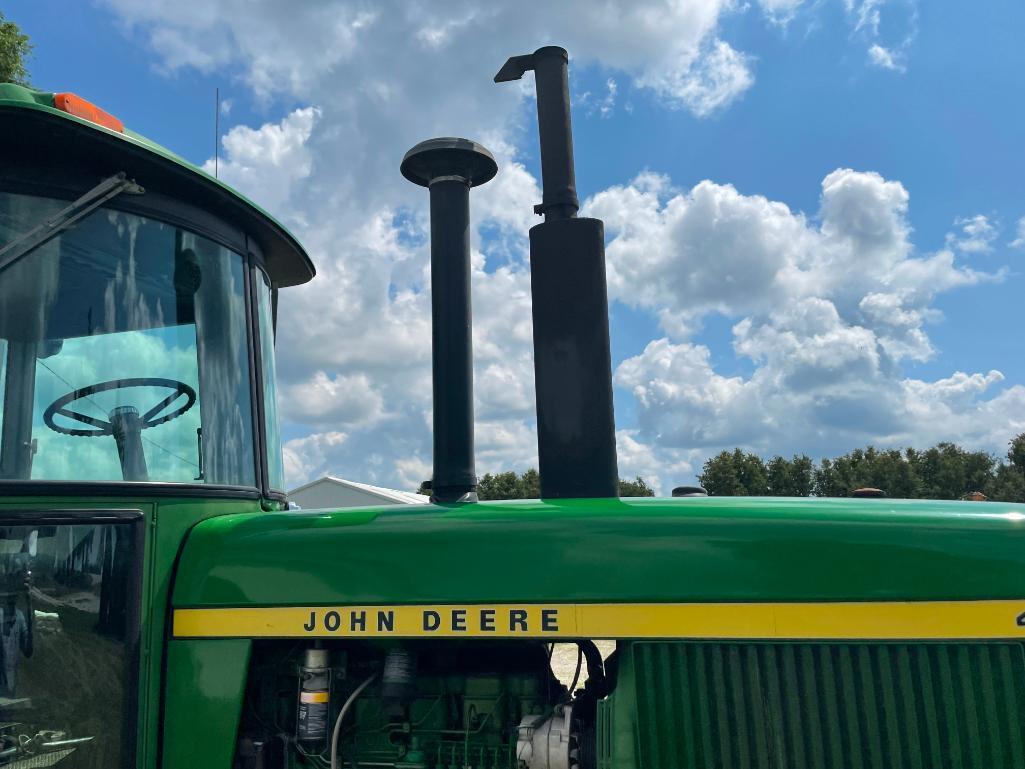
564, 660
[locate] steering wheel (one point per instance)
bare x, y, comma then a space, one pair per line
105, 427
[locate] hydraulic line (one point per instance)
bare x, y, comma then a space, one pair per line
341, 717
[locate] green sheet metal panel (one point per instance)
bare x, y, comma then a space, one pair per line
205, 688
811, 706
658, 550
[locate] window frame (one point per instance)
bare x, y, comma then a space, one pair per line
257, 275
176, 213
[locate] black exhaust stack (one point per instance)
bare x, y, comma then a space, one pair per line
449, 168
576, 430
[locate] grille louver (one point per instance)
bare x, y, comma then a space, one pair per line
817, 706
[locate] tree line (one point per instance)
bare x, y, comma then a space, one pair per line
945, 471
509, 485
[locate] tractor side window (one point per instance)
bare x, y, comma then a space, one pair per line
69, 617
275, 464
125, 353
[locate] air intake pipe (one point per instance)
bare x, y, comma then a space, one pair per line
576, 430
449, 168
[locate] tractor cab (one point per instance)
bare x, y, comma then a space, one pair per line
124, 344
137, 312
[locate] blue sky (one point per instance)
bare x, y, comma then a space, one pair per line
765, 101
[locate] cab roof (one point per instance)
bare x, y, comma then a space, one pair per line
32, 122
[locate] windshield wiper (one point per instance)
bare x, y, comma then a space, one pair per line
56, 224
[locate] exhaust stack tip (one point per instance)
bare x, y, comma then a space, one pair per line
576, 426
446, 157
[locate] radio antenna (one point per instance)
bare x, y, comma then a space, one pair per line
217, 126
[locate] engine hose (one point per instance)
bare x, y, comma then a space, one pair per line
576, 675
595, 667
341, 717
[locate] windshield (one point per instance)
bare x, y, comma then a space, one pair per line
123, 353
68, 623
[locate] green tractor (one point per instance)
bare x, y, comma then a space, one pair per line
160, 605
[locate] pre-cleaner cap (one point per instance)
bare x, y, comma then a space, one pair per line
448, 156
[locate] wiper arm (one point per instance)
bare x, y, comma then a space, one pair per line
56, 224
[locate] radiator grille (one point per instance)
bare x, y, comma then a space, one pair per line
818, 706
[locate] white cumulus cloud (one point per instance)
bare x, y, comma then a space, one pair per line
1019, 231
706, 84
826, 309
826, 306
269, 160
866, 14
887, 44
780, 12
684, 254
885, 58
976, 235
299, 49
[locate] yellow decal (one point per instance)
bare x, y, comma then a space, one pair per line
879, 620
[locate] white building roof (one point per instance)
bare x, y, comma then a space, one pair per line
331, 491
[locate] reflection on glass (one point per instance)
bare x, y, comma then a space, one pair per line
65, 625
275, 464
15, 632
123, 353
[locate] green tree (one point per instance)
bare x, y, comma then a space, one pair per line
500, 486
530, 484
979, 470
719, 476
829, 481
777, 471
889, 471
509, 485
802, 475
734, 474
1007, 485
789, 478
15, 49
635, 488
751, 473
1008, 482
1016, 453
947, 471
868, 467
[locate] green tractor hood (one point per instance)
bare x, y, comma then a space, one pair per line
697, 567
